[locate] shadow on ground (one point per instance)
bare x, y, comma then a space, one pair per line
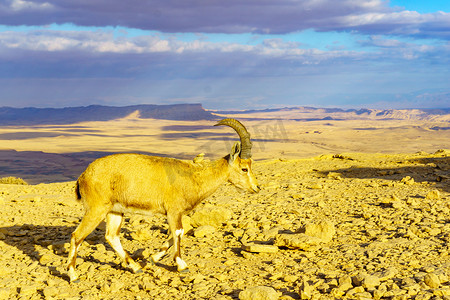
41, 241
432, 169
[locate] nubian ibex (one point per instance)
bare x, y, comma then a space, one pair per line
119, 183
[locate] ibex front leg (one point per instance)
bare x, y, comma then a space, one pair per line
176, 227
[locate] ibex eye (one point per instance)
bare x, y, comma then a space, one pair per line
245, 170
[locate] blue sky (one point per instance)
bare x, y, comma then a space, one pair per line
246, 54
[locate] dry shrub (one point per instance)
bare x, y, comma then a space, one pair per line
12, 180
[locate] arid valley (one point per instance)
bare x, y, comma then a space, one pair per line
353, 205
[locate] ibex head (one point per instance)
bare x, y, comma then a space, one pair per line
240, 161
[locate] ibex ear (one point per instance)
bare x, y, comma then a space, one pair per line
235, 151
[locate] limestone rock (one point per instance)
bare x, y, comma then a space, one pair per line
306, 290
259, 248
345, 283
433, 195
297, 241
210, 215
204, 230
142, 234
259, 293
324, 230
386, 274
432, 280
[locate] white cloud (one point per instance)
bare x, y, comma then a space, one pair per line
234, 16
21, 5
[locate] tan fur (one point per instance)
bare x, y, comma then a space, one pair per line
119, 183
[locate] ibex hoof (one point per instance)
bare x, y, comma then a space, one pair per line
138, 271
184, 271
73, 277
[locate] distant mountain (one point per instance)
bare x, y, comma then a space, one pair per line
70, 115
305, 113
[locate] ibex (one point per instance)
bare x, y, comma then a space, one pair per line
119, 183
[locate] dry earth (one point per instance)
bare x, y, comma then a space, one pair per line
341, 215
387, 216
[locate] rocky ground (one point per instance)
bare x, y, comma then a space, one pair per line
343, 226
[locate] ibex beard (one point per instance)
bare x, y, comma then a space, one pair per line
121, 183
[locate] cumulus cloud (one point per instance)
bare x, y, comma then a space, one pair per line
21, 5
104, 42
233, 16
100, 53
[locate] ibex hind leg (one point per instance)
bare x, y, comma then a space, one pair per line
90, 221
114, 222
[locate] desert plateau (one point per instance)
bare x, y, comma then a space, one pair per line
353, 205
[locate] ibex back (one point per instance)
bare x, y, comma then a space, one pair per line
115, 184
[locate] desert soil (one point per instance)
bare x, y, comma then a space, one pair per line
386, 234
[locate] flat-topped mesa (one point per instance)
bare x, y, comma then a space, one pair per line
120, 183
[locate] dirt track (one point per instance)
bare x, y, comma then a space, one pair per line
390, 214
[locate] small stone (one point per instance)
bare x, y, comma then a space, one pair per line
399, 204
276, 276
210, 215
324, 230
386, 274
380, 291
45, 259
335, 175
28, 290
204, 230
363, 296
432, 280
306, 290
424, 296
142, 234
290, 278
442, 292
370, 282
221, 277
345, 283
297, 241
259, 248
50, 291
316, 186
116, 286
337, 293
64, 292
433, 195
238, 232
358, 279
259, 293
355, 290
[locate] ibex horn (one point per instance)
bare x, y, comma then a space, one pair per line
244, 135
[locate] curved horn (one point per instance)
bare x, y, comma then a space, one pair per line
244, 135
